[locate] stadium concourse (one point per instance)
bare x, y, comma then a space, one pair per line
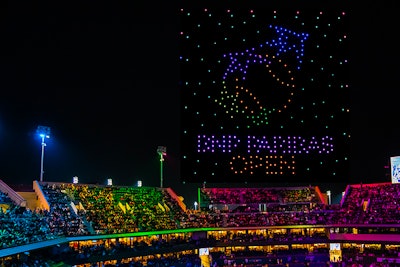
67, 224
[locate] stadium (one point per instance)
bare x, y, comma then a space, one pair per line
265, 99
71, 224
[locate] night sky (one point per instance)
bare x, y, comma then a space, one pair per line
265, 94
105, 79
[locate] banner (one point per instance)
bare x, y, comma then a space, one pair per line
122, 207
166, 207
161, 207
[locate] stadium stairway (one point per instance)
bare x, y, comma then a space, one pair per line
32, 201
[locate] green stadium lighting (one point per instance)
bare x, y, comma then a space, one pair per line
43, 132
162, 151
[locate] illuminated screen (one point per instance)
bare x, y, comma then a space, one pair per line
264, 95
334, 246
395, 169
204, 251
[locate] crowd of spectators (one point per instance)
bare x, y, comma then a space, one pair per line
362, 204
215, 196
382, 203
272, 199
125, 209
20, 226
92, 209
63, 220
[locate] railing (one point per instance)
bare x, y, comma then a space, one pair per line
44, 204
14, 196
177, 199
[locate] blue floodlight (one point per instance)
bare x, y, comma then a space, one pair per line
43, 132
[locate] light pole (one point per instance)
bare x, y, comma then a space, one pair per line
43, 132
162, 151
328, 193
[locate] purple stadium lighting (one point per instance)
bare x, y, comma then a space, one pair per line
43, 132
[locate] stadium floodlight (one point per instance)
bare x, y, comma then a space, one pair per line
43, 132
162, 151
328, 193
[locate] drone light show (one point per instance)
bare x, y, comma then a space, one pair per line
264, 95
